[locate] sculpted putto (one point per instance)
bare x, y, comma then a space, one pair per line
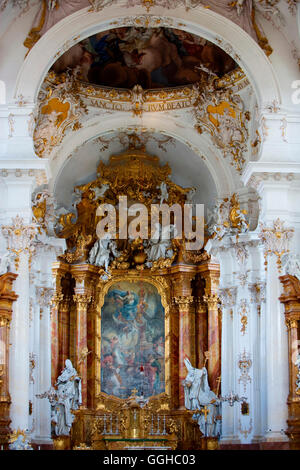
19, 441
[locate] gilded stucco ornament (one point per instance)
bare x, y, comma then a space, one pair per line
20, 237
228, 296
245, 364
140, 177
43, 207
221, 113
244, 314
276, 240
227, 218
60, 109
217, 109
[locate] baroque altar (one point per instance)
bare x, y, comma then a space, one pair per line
129, 312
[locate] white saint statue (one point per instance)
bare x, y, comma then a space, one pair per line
199, 397
103, 251
65, 398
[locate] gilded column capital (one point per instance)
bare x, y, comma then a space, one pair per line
184, 302
200, 304
212, 301
57, 299
5, 321
291, 323
82, 300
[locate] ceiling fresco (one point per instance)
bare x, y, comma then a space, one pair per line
151, 58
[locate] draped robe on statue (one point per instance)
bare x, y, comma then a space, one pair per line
197, 395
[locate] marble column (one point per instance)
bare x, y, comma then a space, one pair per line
186, 338
182, 290
211, 276
58, 270
7, 297
85, 278
201, 331
64, 330
82, 301
291, 300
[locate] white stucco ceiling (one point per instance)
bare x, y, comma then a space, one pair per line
188, 168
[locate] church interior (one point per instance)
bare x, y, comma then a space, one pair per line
119, 328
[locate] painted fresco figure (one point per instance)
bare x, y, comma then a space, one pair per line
198, 396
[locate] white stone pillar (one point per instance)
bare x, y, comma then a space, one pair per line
277, 380
43, 432
19, 238
277, 183
276, 240
228, 299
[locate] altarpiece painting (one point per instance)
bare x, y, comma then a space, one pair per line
132, 340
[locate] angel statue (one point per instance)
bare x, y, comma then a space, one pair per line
291, 264
102, 252
164, 195
19, 441
5, 263
200, 398
99, 192
160, 245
